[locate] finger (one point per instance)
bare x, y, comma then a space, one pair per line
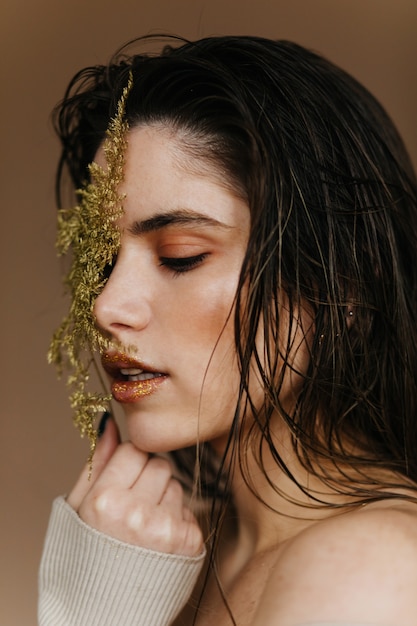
123, 468
106, 446
188, 515
153, 482
173, 499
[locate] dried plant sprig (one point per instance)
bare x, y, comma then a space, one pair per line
90, 231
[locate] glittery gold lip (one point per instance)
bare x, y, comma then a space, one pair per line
130, 391
119, 359
113, 362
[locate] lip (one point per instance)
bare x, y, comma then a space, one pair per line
125, 390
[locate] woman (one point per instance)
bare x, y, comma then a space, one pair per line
248, 251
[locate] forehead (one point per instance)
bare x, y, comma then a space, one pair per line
161, 174
159, 145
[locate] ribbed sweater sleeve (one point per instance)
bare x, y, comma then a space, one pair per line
90, 579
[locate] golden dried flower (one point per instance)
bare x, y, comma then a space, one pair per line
90, 231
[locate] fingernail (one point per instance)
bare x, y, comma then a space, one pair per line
103, 422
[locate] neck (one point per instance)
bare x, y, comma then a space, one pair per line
272, 508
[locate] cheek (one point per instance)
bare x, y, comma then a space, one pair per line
213, 312
210, 339
200, 305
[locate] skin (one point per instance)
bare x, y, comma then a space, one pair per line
303, 566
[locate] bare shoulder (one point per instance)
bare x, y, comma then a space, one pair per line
357, 567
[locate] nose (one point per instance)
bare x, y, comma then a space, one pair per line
123, 305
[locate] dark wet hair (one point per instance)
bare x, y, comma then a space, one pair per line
333, 203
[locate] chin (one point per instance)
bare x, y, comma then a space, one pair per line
156, 440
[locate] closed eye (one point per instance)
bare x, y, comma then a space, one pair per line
180, 265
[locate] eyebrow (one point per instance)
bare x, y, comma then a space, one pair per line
180, 217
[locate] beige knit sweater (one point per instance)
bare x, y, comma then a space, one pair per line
89, 579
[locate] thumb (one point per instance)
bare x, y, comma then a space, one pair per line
108, 440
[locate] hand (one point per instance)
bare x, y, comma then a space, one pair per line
133, 497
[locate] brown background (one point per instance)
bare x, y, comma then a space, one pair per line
43, 43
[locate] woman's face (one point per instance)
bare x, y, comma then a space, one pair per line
169, 299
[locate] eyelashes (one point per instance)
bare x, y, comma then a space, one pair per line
181, 265
177, 265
